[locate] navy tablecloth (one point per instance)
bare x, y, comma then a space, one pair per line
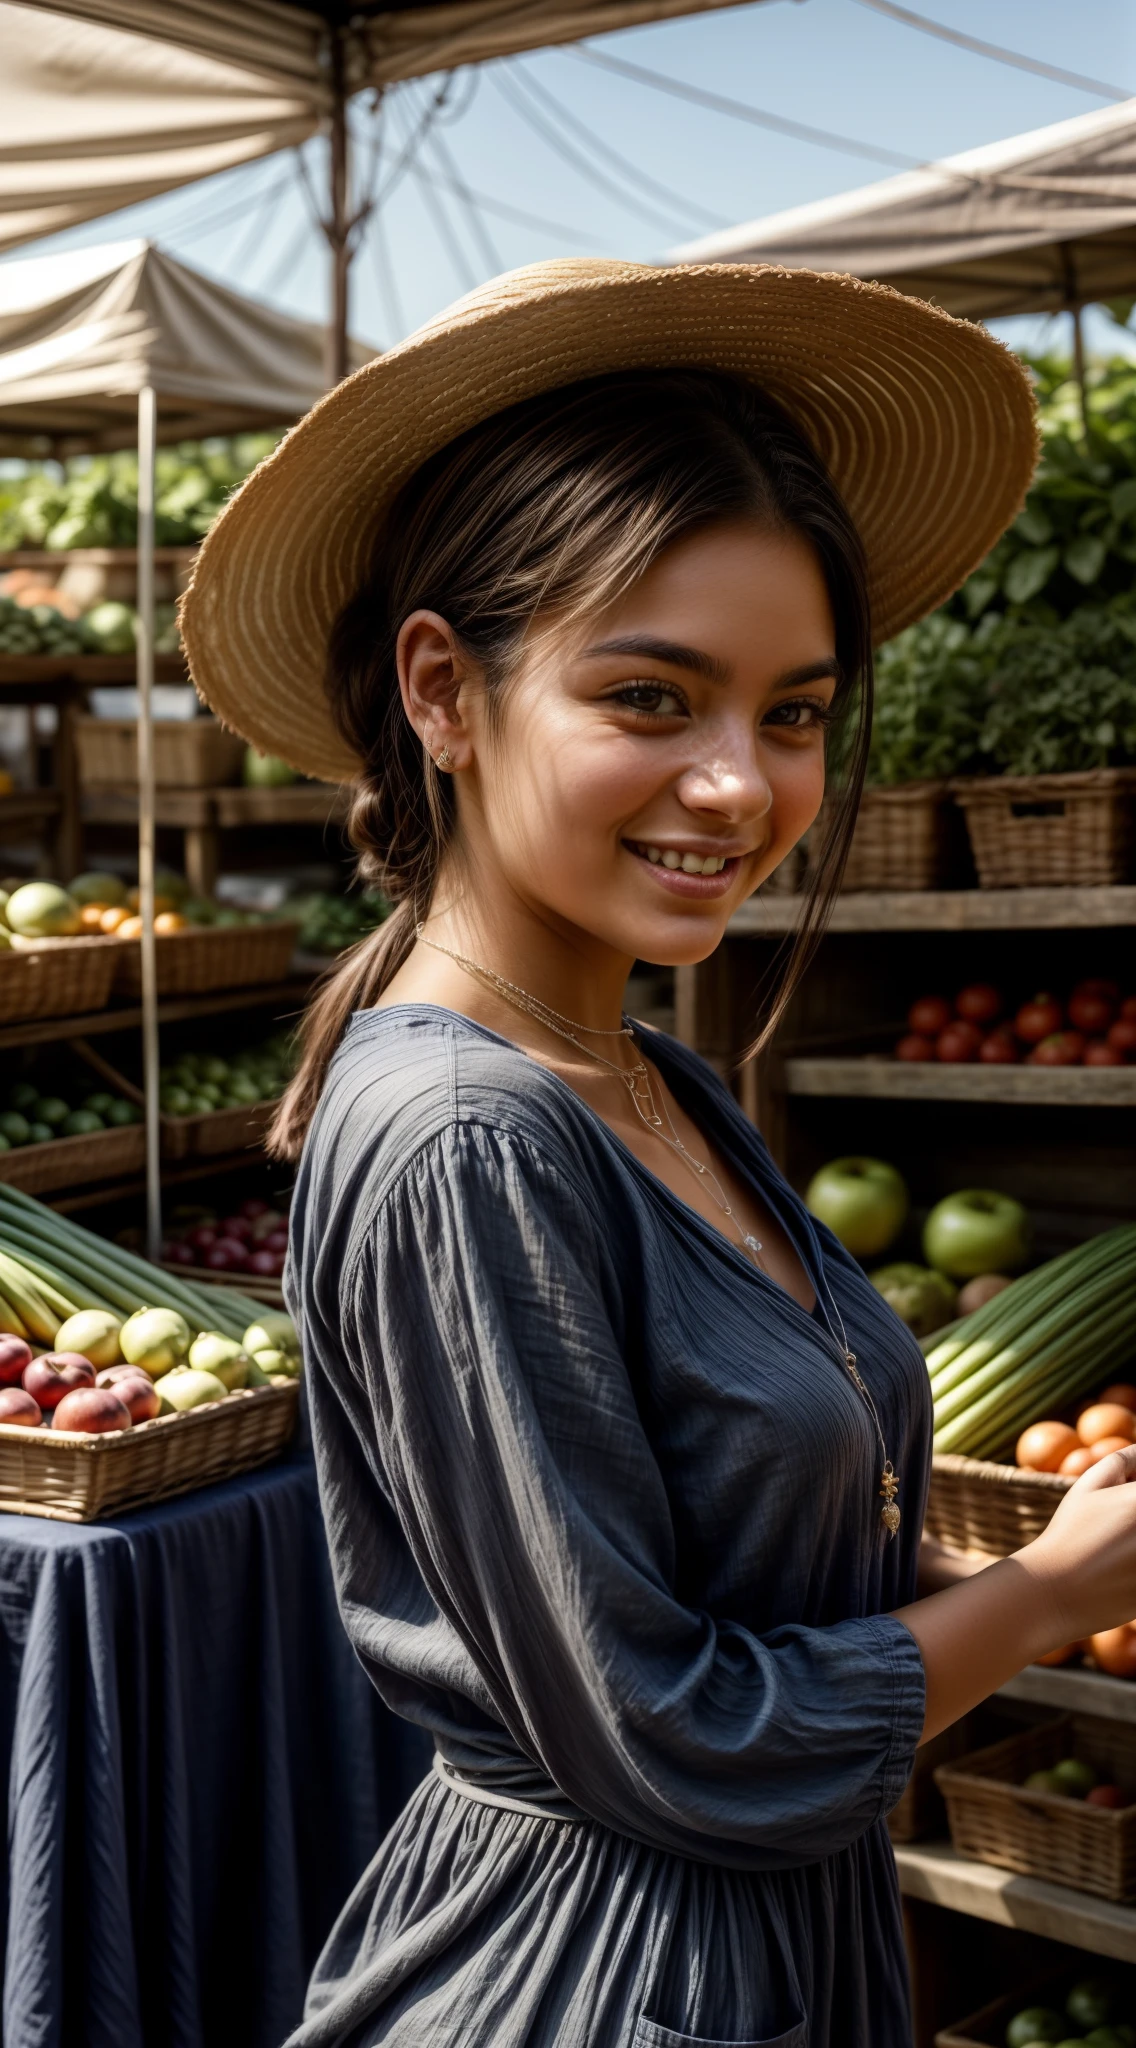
196, 1768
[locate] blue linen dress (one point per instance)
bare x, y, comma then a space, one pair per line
603, 1510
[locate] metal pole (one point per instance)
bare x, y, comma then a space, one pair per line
1079, 368
147, 441
338, 224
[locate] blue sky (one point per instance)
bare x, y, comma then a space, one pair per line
831, 63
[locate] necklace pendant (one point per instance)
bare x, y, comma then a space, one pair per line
889, 1513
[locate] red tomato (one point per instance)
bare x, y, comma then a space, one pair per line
1076, 1462
958, 1043
1099, 1053
999, 1048
929, 1016
1128, 1010
1038, 1019
1107, 1445
1114, 1650
1111, 1797
1060, 1049
201, 1236
1107, 990
1122, 1037
1089, 1012
1122, 1393
1042, 1446
1105, 1419
979, 1004
913, 1047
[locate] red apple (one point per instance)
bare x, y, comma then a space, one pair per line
1106, 990
1099, 1053
14, 1356
1128, 1010
915, 1047
1038, 1019
1111, 1797
239, 1227
91, 1410
253, 1208
1059, 1049
56, 1373
979, 1004
999, 1048
134, 1388
960, 1042
276, 1241
929, 1016
202, 1236
179, 1253
1122, 1037
228, 1255
17, 1406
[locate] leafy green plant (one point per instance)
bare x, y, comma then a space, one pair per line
930, 702
94, 502
1062, 698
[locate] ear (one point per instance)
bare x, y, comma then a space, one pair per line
431, 671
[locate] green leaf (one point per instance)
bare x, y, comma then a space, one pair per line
1085, 557
977, 592
1034, 524
1030, 573
1122, 498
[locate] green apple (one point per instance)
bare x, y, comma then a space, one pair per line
976, 1231
274, 1331
221, 1356
922, 1299
863, 1202
1036, 2023
93, 1332
157, 1339
42, 910
186, 1388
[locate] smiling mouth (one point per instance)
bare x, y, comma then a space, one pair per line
687, 873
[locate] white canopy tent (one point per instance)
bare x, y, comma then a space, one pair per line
1044, 222
107, 102
123, 346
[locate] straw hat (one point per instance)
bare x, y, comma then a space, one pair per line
925, 423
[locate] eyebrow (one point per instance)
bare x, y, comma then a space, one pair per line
675, 655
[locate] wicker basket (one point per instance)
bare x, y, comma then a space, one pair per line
78, 1478
201, 958
1050, 831
55, 977
902, 839
70, 1162
976, 1505
920, 1811
1040, 1834
189, 753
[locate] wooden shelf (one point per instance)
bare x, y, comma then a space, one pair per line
954, 910
86, 670
935, 1872
928, 1081
308, 803
50, 1030
172, 1177
1073, 1691
28, 807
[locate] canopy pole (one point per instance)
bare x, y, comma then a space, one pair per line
147, 441
338, 225
1079, 367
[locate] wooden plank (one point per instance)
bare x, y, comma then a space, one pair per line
957, 910
302, 803
935, 1872
927, 1081
1074, 1691
87, 670
28, 806
50, 1030
177, 807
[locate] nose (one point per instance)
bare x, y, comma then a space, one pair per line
727, 780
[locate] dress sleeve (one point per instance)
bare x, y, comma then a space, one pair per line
489, 1324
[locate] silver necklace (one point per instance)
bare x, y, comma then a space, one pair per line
637, 1080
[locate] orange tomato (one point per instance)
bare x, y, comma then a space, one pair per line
1078, 1461
1122, 1394
130, 928
1042, 1446
91, 916
1114, 1650
1106, 1445
170, 921
112, 919
1106, 1418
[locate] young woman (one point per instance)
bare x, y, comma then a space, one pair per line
623, 1460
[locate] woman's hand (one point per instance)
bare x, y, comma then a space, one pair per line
1079, 1576
1086, 1558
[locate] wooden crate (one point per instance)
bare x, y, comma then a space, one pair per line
993, 1819
189, 753
207, 1135
69, 1477
73, 1162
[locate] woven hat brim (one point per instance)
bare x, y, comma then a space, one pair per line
926, 424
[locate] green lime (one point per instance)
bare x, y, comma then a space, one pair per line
121, 1113
201, 1105
1092, 2002
214, 1069
209, 1092
51, 1109
174, 1101
1045, 1781
1035, 2023
23, 1096
40, 1134
1076, 1779
14, 1127
4, 1144
99, 1102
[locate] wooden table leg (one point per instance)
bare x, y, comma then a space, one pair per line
69, 829
202, 857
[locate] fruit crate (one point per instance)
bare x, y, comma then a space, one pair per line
974, 1504
55, 977
189, 753
203, 958
77, 1477
1050, 831
993, 1819
207, 1135
73, 1162
987, 2028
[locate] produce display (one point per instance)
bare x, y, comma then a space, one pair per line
38, 620
1095, 2013
129, 1342
99, 905
330, 923
94, 504
252, 1239
34, 1116
1072, 1778
202, 1081
1094, 1027
1036, 1346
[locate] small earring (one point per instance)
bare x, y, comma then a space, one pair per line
442, 760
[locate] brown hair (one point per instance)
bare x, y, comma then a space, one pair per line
555, 506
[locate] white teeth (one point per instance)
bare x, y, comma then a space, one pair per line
672, 860
654, 856
711, 866
690, 863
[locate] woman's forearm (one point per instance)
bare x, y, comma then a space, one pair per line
940, 1567
975, 1634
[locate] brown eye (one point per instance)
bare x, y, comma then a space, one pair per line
800, 714
652, 700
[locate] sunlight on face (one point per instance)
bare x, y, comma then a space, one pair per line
649, 773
